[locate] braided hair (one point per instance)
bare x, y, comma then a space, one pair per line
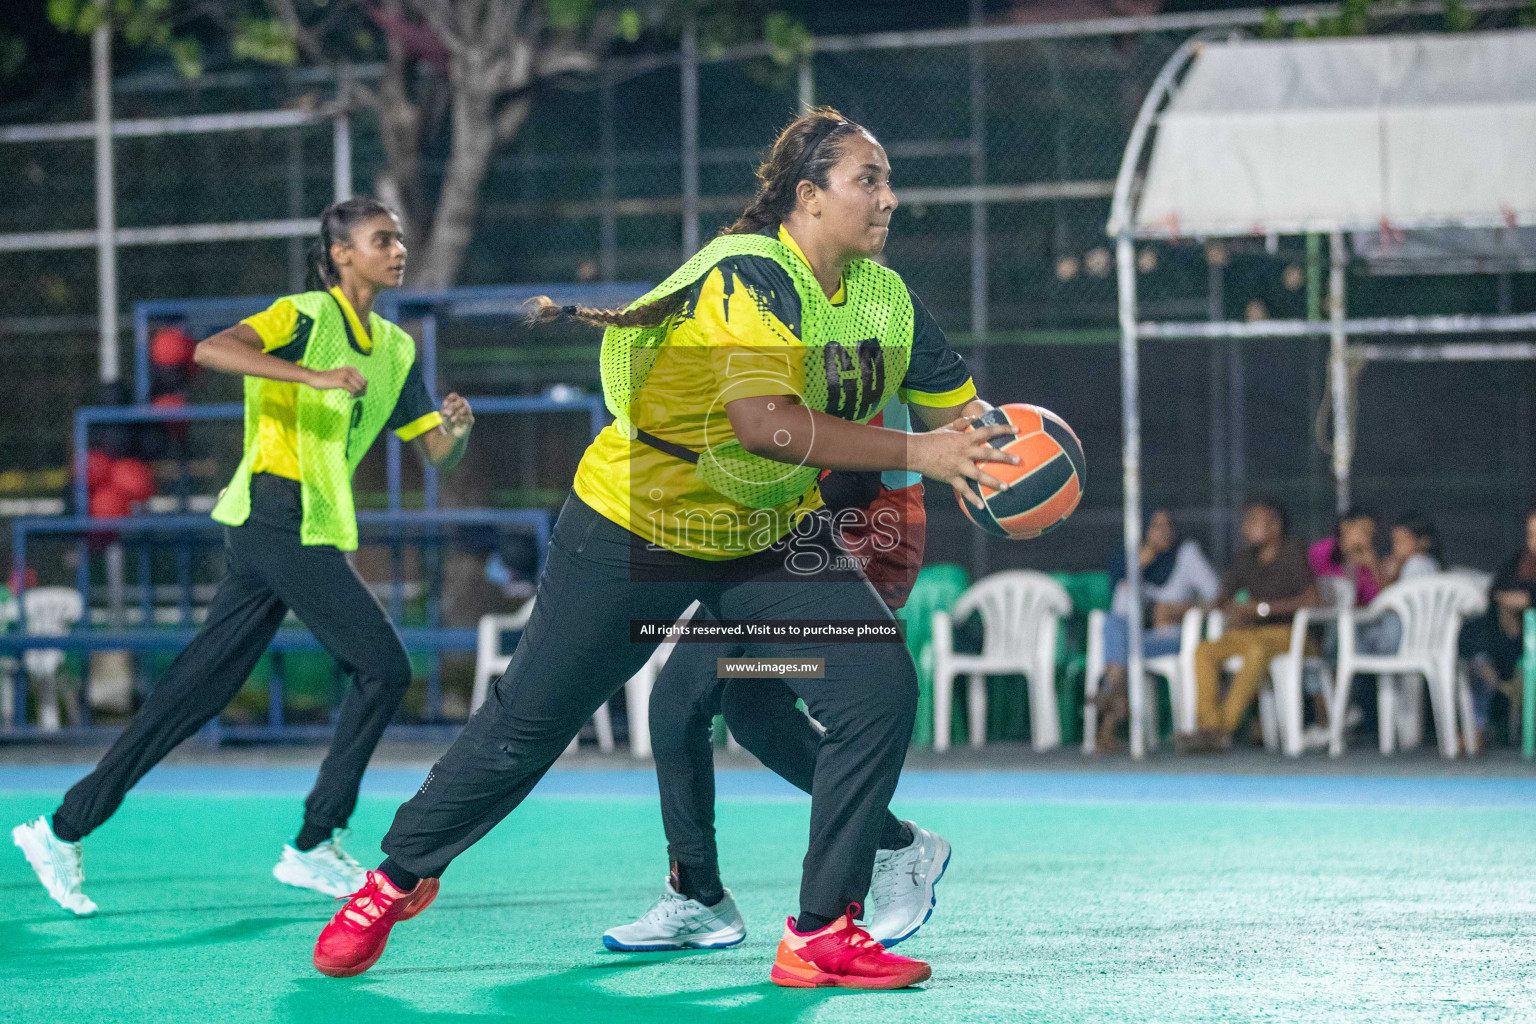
336, 224
806, 150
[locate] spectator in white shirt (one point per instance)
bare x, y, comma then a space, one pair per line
1175, 576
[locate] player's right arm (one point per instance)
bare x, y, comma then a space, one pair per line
240, 349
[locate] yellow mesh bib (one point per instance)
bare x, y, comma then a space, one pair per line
853, 357
335, 430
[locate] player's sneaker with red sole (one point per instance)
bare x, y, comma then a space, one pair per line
356, 936
841, 955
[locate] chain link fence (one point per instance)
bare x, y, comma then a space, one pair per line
1004, 153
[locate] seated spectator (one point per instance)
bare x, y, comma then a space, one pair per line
1175, 576
1351, 553
1492, 643
1415, 549
1415, 552
1267, 583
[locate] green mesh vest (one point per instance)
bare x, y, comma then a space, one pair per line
335, 430
854, 355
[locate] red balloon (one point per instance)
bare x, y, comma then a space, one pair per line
171, 347
98, 466
109, 502
133, 479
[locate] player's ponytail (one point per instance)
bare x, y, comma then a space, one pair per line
541, 309
336, 224
806, 150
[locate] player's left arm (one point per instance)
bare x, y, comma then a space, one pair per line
444, 445
440, 435
938, 384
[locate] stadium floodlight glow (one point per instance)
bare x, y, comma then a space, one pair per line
1243, 138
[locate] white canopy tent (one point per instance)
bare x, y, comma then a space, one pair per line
1382, 135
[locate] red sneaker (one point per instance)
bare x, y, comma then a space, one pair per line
356, 936
843, 955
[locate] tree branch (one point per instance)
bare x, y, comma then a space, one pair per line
565, 60
503, 19
511, 118
306, 40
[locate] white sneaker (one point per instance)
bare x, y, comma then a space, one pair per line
327, 868
58, 865
901, 891
679, 923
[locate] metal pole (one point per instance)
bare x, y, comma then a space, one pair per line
106, 290
979, 540
1338, 372
296, 268
106, 212
1237, 431
1130, 399
341, 135
1216, 310
805, 81
1315, 385
690, 154
608, 246
1527, 689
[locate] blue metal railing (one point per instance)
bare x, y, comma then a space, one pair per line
425, 525
202, 317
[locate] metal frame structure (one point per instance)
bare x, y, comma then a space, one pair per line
395, 515
401, 526
1122, 227
425, 527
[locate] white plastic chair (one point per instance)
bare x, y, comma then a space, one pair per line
50, 611
637, 691
1477, 577
491, 661
1280, 716
1020, 612
1177, 669
1431, 610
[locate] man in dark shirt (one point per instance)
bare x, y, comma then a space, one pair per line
1266, 585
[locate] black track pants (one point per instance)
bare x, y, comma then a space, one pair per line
576, 652
760, 713
269, 572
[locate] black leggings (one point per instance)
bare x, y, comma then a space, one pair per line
269, 572
576, 652
761, 714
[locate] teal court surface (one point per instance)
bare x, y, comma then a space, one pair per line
1072, 896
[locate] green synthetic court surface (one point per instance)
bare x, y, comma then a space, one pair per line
1167, 908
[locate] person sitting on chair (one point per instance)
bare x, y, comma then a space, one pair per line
1493, 642
1266, 585
1351, 553
1175, 576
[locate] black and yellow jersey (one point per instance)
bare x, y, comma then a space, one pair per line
284, 333
743, 312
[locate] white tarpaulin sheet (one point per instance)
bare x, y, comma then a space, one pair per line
1395, 132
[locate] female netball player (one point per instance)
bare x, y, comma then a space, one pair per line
323, 375
760, 360
881, 522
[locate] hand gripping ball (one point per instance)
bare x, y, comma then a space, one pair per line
1042, 490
